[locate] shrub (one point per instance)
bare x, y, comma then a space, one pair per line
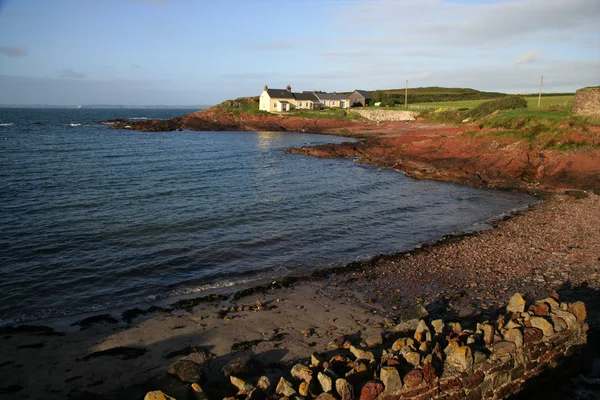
504, 103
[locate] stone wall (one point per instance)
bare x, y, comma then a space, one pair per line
433, 359
385, 115
587, 102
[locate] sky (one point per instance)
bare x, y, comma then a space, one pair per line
201, 52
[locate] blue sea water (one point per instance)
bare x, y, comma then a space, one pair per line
93, 218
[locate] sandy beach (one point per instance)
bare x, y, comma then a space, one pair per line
553, 246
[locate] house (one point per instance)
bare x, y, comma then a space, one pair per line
333, 99
360, 98
277, 100
307, 101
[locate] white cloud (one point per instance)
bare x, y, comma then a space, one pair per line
528, 57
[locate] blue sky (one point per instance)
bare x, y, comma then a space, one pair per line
202, 52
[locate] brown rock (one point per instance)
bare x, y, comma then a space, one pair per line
428, 373
516, 304
558, 323
503, 348
566, 316
532, 335
413, 378
186, 371
371, 390
374, 341
579, 311
540, 309
515, 336
325, 396
488, 333
344, 389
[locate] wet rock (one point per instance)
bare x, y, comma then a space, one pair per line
413, 378
325, 381
390, 377
344, 389
186, 371
239, 366
157, 395
285, 388
579, 311
301, 372
516, 304
371, 390
543, 325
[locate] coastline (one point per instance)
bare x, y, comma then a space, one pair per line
281, 323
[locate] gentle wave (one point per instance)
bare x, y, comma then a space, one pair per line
7, 124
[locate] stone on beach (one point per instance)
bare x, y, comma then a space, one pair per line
186, 371
157, 395
516, 304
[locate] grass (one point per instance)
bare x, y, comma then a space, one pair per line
532, 101
328, 113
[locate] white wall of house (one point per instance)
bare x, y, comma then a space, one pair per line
265, 102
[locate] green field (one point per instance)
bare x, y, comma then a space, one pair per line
532, 102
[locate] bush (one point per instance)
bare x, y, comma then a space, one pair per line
504, 103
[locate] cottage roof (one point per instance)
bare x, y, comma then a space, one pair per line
279, 94
331, 96
364, 94
306, 96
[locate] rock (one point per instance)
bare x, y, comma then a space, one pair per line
301, 372
196, 392
579, 311
316, 360
344, 389
401, 343
554, 305
186, 371
468, 314
479, 357
325, 381
357, 373
422, 333
243, 387
371, 390
566, 316
438, 326
374, 341
488, 333
285, 388
303, 389
239, 366
412, 357
325, 396
516, 304
413, 378
543, 325
532, 335
503, 347
558, 323
455, 327
514, 336
540, 309
361, 354
428, 372
157, 395
460, 359
390, 378
407, 326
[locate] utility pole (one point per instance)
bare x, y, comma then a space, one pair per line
406, 95
540, 96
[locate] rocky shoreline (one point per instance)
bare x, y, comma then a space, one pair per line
553, 247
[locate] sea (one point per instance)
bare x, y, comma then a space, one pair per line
93, 218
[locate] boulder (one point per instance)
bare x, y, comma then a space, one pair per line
186, 371
460, 359
243, 387
514, 336
371, 390
325, 381
344, 389
301, 372
390, 377
543, 325
285, 388
579, 311
413, 378
239, 366
157, 395
516, 304
361, 354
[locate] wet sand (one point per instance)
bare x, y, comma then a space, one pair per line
554, 246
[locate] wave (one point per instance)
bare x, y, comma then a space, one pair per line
6, 124
134, 118
73, 124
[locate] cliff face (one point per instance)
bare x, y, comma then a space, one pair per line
487, 161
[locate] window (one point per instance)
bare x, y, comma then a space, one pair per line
333, 103
300, 104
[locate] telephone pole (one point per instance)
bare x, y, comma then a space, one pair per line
406, 95
540, 96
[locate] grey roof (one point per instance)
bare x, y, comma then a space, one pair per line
306, 96
364, 94
331, 96
280, 94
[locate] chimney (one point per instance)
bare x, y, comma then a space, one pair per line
265, 88
288, 88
